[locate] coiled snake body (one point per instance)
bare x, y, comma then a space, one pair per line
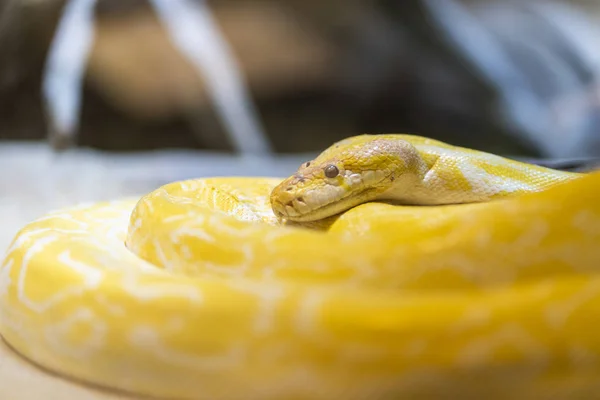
391, 266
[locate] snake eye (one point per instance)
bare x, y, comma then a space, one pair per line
307, 164
331, 171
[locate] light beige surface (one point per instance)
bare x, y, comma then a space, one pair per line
34, 181
20, 380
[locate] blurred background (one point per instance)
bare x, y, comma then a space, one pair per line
111, 98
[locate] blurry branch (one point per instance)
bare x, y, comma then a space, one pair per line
135, 66
65, 68
193, 30
478, 47
194, 33
530, 58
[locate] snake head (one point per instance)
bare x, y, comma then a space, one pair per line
350, 172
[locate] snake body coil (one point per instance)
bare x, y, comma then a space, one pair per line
333, 283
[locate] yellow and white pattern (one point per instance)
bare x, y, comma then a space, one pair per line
197, 291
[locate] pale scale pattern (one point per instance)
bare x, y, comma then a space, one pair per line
200, 294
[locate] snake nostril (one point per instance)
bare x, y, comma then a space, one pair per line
300, 199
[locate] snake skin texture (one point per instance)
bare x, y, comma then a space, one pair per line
203, 289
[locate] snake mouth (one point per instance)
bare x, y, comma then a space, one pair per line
298, 211
311, 204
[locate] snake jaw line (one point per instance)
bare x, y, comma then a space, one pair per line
365, 167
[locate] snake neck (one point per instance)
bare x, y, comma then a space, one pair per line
439, 176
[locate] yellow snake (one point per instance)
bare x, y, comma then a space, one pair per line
359, 277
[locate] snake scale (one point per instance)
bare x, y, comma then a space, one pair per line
389, 267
